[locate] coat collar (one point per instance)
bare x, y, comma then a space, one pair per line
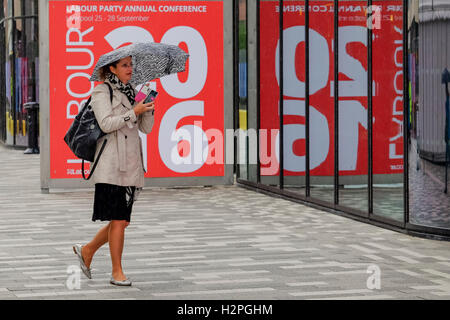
119, 96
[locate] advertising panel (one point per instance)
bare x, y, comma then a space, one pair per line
386, 23
189, 119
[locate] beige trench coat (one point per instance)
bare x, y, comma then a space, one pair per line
121, 162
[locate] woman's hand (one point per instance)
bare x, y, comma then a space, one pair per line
142, 107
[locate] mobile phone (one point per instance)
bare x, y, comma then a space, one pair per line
151, 96
143, 93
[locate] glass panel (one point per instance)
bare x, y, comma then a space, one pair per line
31, 54
353, 134
269, 92
18, 7
5, 11
321, 106
30, 7
2, 80
20, 76
294, 148
242, 153
388, 191
9, 84
429, 123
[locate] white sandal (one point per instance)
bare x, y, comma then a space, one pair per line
126, 282
84, 268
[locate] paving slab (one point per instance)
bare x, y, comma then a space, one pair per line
214, 243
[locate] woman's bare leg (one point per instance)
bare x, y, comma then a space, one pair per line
99, 240
116, 241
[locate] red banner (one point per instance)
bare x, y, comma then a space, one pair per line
386, 23
189, 116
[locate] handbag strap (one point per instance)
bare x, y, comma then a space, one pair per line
95, 162
101, 149
110, 90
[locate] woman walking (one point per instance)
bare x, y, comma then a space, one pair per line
120, 171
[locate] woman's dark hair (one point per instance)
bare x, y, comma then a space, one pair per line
103, 72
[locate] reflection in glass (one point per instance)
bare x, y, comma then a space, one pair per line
429, 56
388, 110
294, 122
19, 60
321, 104
2, 80
21, 76
269, 98
242, 152
9, 85
353, 104
426, 119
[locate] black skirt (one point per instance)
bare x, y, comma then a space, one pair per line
112, 202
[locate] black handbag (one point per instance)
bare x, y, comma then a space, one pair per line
83, 134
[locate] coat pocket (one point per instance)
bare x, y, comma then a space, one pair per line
122, 151
142, 156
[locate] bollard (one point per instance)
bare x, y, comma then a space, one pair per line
33, 127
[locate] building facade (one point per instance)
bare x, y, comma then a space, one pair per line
374, 148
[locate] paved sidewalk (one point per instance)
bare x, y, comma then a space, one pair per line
206, 243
